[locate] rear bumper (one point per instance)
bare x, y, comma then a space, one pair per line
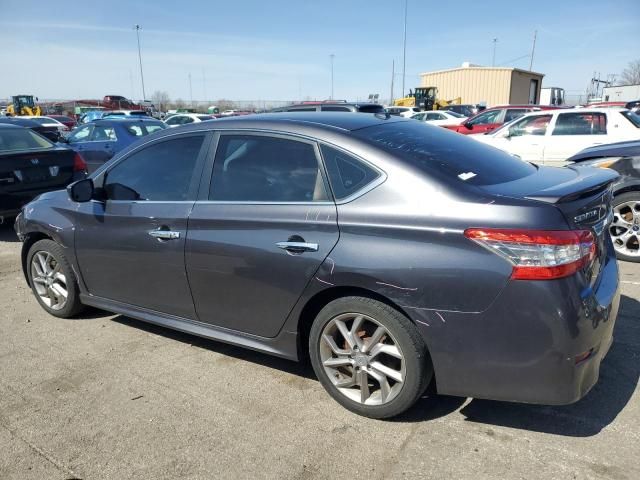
539, 342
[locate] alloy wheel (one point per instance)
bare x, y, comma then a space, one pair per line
625, 228
49, 281
362, 359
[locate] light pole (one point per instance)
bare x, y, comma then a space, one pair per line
137, 27
493, 60
331, 56
404, 46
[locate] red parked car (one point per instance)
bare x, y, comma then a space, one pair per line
494, 117
66, 121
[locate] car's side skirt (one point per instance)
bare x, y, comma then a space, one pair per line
284, 345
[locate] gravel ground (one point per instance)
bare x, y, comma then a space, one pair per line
109, 397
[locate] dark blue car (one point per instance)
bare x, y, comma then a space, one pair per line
100, 140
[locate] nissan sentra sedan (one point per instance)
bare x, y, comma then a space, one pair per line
393, 254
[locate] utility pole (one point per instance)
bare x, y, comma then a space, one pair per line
331, 56
533, 49
493, 60
204, 85
404, 46
190, 90
137, 27
393, 74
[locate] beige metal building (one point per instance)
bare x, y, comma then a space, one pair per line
489, 85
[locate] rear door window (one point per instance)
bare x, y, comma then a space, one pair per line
347, 174
583, 123
440, 153
259, 168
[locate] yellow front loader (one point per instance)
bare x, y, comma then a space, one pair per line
22, 105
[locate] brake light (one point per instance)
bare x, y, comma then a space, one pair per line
538, 254
79, 165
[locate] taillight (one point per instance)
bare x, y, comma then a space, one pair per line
79, 164
538, 254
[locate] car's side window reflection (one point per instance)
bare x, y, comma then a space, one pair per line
266, 169
160, 172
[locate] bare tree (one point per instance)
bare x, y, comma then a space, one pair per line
631, 74
180, 103
161, 100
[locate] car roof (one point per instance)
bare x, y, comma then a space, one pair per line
123, 120
292, 121
577, 110
619, 149
24, 122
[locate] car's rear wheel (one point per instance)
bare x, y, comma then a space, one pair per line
52, 279
625, 228
369, 357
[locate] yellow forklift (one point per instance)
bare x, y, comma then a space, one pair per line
22, 105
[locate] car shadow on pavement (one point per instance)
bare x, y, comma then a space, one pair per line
7, 233
619, 375
302, 369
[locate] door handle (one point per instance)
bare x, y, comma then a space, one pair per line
164, 234
298, 247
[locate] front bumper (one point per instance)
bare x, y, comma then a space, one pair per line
539, 342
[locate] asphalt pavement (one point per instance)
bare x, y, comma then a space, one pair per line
108, 397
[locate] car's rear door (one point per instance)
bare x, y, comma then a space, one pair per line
259, 231
573, 132
130, 247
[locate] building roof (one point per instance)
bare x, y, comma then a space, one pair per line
476, 67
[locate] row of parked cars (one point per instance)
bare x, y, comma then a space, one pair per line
541, 134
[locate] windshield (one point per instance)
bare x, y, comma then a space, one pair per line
633, 117
17, 139
439, 152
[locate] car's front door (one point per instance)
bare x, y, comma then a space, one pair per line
527, 138
483, 122
130, 247
79, 139
260, 231
100, 147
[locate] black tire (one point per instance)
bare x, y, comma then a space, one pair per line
618, 200
418, 370
72, 305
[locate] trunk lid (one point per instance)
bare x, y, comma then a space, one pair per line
36, 170
582, 194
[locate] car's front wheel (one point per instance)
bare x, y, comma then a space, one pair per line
625, 228
369, 357
52, 279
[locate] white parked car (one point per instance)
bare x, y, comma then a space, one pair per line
550, 137
406, 112
48, 122
186, 118
442, 118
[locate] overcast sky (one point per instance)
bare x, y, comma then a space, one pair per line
279, 50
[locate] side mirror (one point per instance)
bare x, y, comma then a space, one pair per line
81, 191
468, 125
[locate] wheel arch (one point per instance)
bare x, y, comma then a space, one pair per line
30, 239
320, 299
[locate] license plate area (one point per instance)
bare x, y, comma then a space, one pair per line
34, 175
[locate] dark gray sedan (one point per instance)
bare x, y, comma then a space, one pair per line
394, 254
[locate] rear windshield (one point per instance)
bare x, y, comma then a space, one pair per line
633, 117
17, 139
371, 109
439, 152
139, 113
